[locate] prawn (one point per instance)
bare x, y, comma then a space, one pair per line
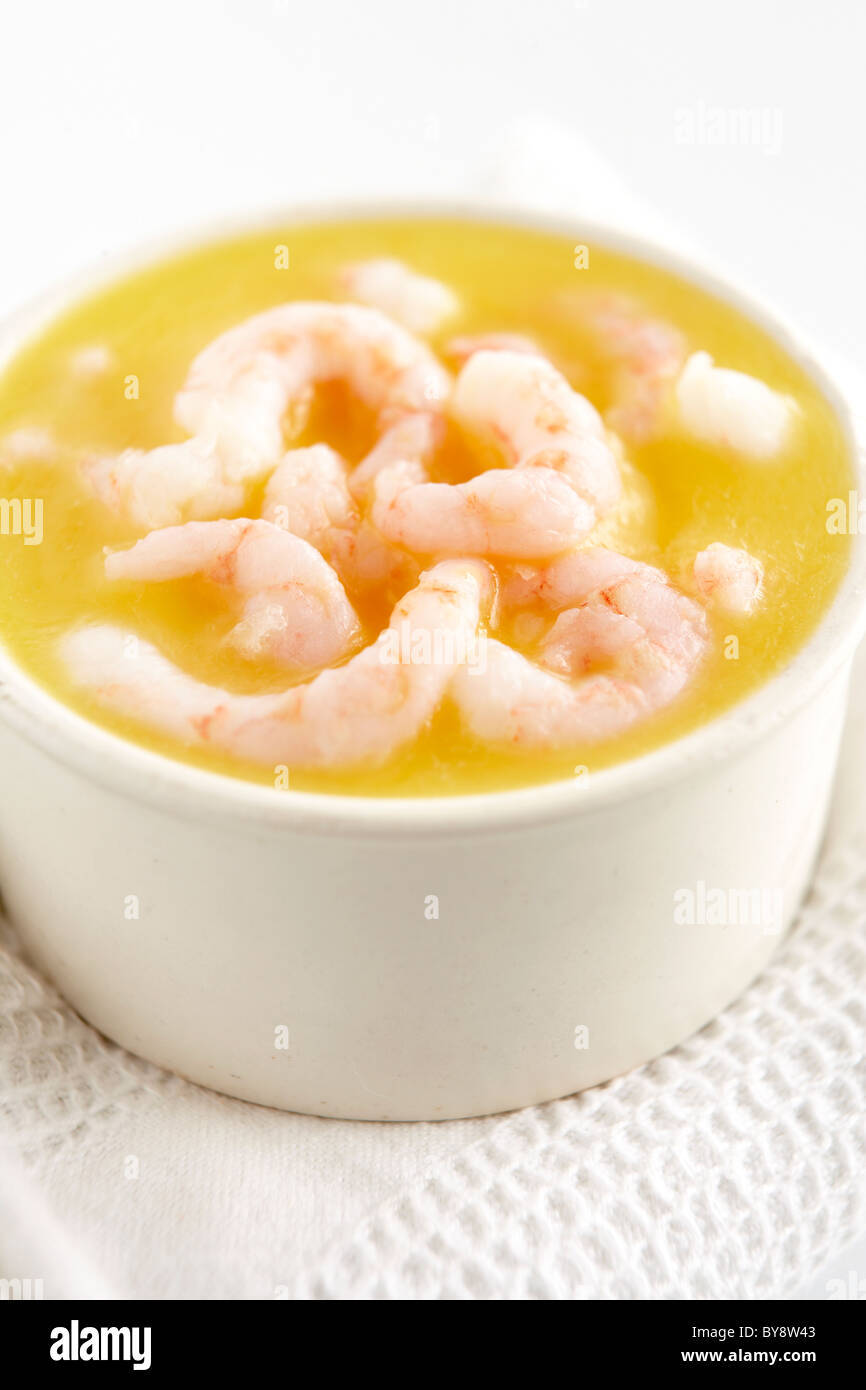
241, 387
163, 486
361, 712
622, 615
309, 495
568, 580
563, 475
421, 304
645, 355
296, 609
730, 409
502, 512
730, 578
415, 438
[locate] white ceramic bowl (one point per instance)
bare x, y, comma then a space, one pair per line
558, 957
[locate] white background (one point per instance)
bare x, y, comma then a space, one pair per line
119, 123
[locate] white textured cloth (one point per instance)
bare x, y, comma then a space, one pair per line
732, 1167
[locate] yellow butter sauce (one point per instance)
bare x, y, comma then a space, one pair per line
680, 495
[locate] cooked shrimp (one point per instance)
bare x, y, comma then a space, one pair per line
241, 385
730, 578
502, 512
528, 408
369, 565
361, 712
729, 409
414, 439
315, 494
464, 347
309, 495
570, 579
628, 618
564, 473
422, 305
296, 610
163, 486
645, 355
365, 559
239, 391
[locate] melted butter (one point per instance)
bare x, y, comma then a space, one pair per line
679, 495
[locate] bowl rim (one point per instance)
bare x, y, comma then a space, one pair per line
138, 773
